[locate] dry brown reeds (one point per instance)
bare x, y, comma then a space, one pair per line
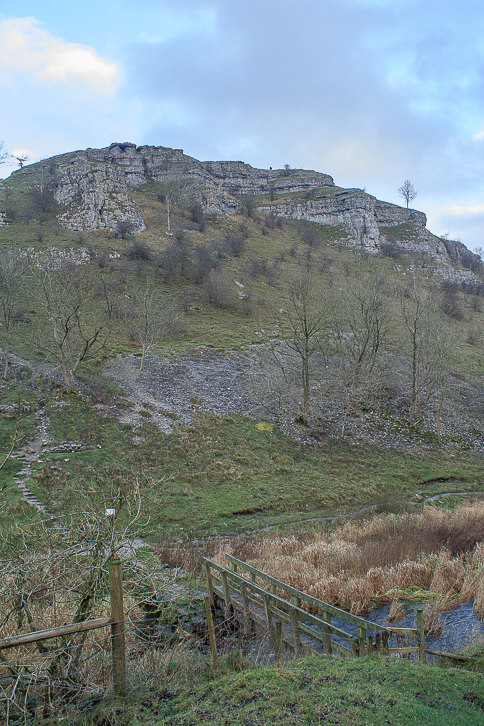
365, 562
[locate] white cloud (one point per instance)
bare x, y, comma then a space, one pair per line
26, 46
466, 210
478, 136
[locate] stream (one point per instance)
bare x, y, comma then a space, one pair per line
460, 625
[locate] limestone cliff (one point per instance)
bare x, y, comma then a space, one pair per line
94, 189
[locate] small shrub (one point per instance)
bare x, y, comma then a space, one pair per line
390, 249
124, 228
138, 251
473, 336
217, 287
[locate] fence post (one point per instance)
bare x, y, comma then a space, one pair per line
227, 598
208, 573
211, 630
246, 603
270, 626
421, 635
327, 634
295, 632
278, 640
362, 634
118, 642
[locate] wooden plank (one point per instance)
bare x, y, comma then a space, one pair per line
404, 649
227, 598
408, 631
341, 649
269, 620
282, 604
246, 604
454, 656
314, 601
39, 635
278, 640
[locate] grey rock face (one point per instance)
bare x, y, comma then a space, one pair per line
95, 187
95, 184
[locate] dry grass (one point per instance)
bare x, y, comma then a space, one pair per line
436, 554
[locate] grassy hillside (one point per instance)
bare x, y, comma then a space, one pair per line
313, 691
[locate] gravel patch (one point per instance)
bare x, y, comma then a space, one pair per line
170, 391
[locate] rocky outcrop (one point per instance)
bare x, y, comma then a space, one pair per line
95, 189
95, 184
391, 215
96, 196
359, 214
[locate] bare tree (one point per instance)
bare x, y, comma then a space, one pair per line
149, 320
302, 321
12, 270
20, 159
58, 574
429, 341
74, 320
407, 191
361, 324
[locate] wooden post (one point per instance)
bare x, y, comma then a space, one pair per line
270, 627
385, 642
118, 642
421, 635
371, 647
355, 647
246, 603
211, 631
297, 601
327, 635
295, 632
227, 598
362, 639
273, 589
208, 573
278, 640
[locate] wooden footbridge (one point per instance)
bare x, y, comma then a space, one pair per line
300, 621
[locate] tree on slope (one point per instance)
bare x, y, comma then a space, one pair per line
407, 191
302, 321
148, 321
361, 324
74, 319
12, 270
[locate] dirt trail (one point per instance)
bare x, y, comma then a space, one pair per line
29, 455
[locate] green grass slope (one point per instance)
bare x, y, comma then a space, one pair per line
315, 691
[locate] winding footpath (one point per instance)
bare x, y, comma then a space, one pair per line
28, 456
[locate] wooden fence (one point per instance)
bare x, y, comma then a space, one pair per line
116, 622
301, 621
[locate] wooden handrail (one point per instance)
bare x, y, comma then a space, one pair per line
281, 606
314, 601
39, 635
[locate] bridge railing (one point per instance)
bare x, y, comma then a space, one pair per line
280, 603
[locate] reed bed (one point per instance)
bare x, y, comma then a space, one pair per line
437, 555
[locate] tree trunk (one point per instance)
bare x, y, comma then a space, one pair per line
143, 356
5, 370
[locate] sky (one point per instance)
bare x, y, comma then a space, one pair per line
372, 92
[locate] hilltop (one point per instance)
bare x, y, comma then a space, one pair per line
96, 190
